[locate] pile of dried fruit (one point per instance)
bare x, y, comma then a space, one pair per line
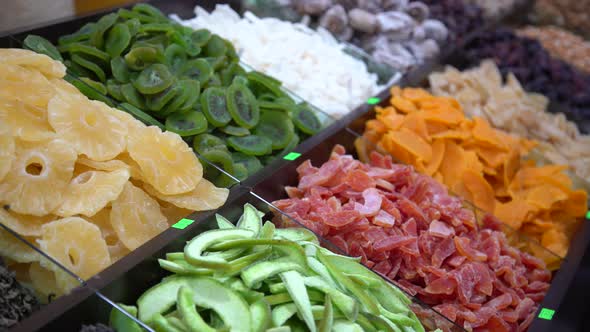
459, 17
86, 182
570, 14
191, 80
536, 70
481, 164
481, 92
253, 277
561, 44
496, 9
16, 302
407, 227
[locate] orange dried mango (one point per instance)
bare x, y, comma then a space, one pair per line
483, 165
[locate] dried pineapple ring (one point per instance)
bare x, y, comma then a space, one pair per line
108, 166
77, 244
15, 249
43, 281
136, 217
172, 212
91, 191
166, 161
204, 197
26, 85
39, 177
24, 225
41, 62
92, 131
133, 166
6, 150
117, 249
27, 122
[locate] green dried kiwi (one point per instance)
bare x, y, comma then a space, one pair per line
204, 142
141, 115
305, 119
227, 74
242, 105
76, 69
220, 158
82, 34
251, 163
132, 96
99, 87
140, 57
129, 15
239, 79
155, 78
187, 124
182, 96
240, 172
231, 51
215, 46
157, 101
234, 130
158, 40
86, 50
290, 146
197, 69
114, 90
217, 62
261, 84
118, 38
175, 56
214, 80
119, 69
149, 10
214, 106
43, 46
276, 126
133, 25
102, 25
200, 37
281, 103
89, 91
93, 67
156, 28
193, 89
251, 145
263, 97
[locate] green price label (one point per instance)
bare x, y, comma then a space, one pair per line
546, 314
588, 214
373, 101
183, 223
292, 156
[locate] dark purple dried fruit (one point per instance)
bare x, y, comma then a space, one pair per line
460, 18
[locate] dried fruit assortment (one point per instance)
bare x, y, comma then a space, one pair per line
482, 92
479, 163
335, 81
398, 33
189, 82
406, 226
536, 70
76, 175
253, 277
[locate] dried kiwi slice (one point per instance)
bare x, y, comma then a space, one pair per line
213, 104
251, 163
276, 126
120, 70
97, 86
155, 78
220, 158
118, 39
242, 105
175, 56
290, 146
140, 57
114, 90
81, 35
132, 96
215, 46
200, 37
306, 120
157, 101
93, 67
251, 145
240, 172
193, 89
187, 124
88, 91
102, 25
43, 46
204, 142
260, 84
198, 69
141, 115
235, 131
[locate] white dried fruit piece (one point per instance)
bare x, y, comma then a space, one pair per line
165, 160
91, 191
85, 124
24, 225
136, 217
204, 197
38, 177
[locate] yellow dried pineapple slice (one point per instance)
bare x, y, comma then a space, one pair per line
133, 166
15, 249
6, 150
91, 191
91, 131
39, 177
24, 225
166, 161
27, 122
107, 166
172, 212
26, 85
77, 244
136, 217
102, 219
30, 59
43, 281
204, 197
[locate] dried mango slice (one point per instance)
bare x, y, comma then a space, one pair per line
416, 123
413, 143
438, 153
403, 105
481, 191
545, 196
483, 132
